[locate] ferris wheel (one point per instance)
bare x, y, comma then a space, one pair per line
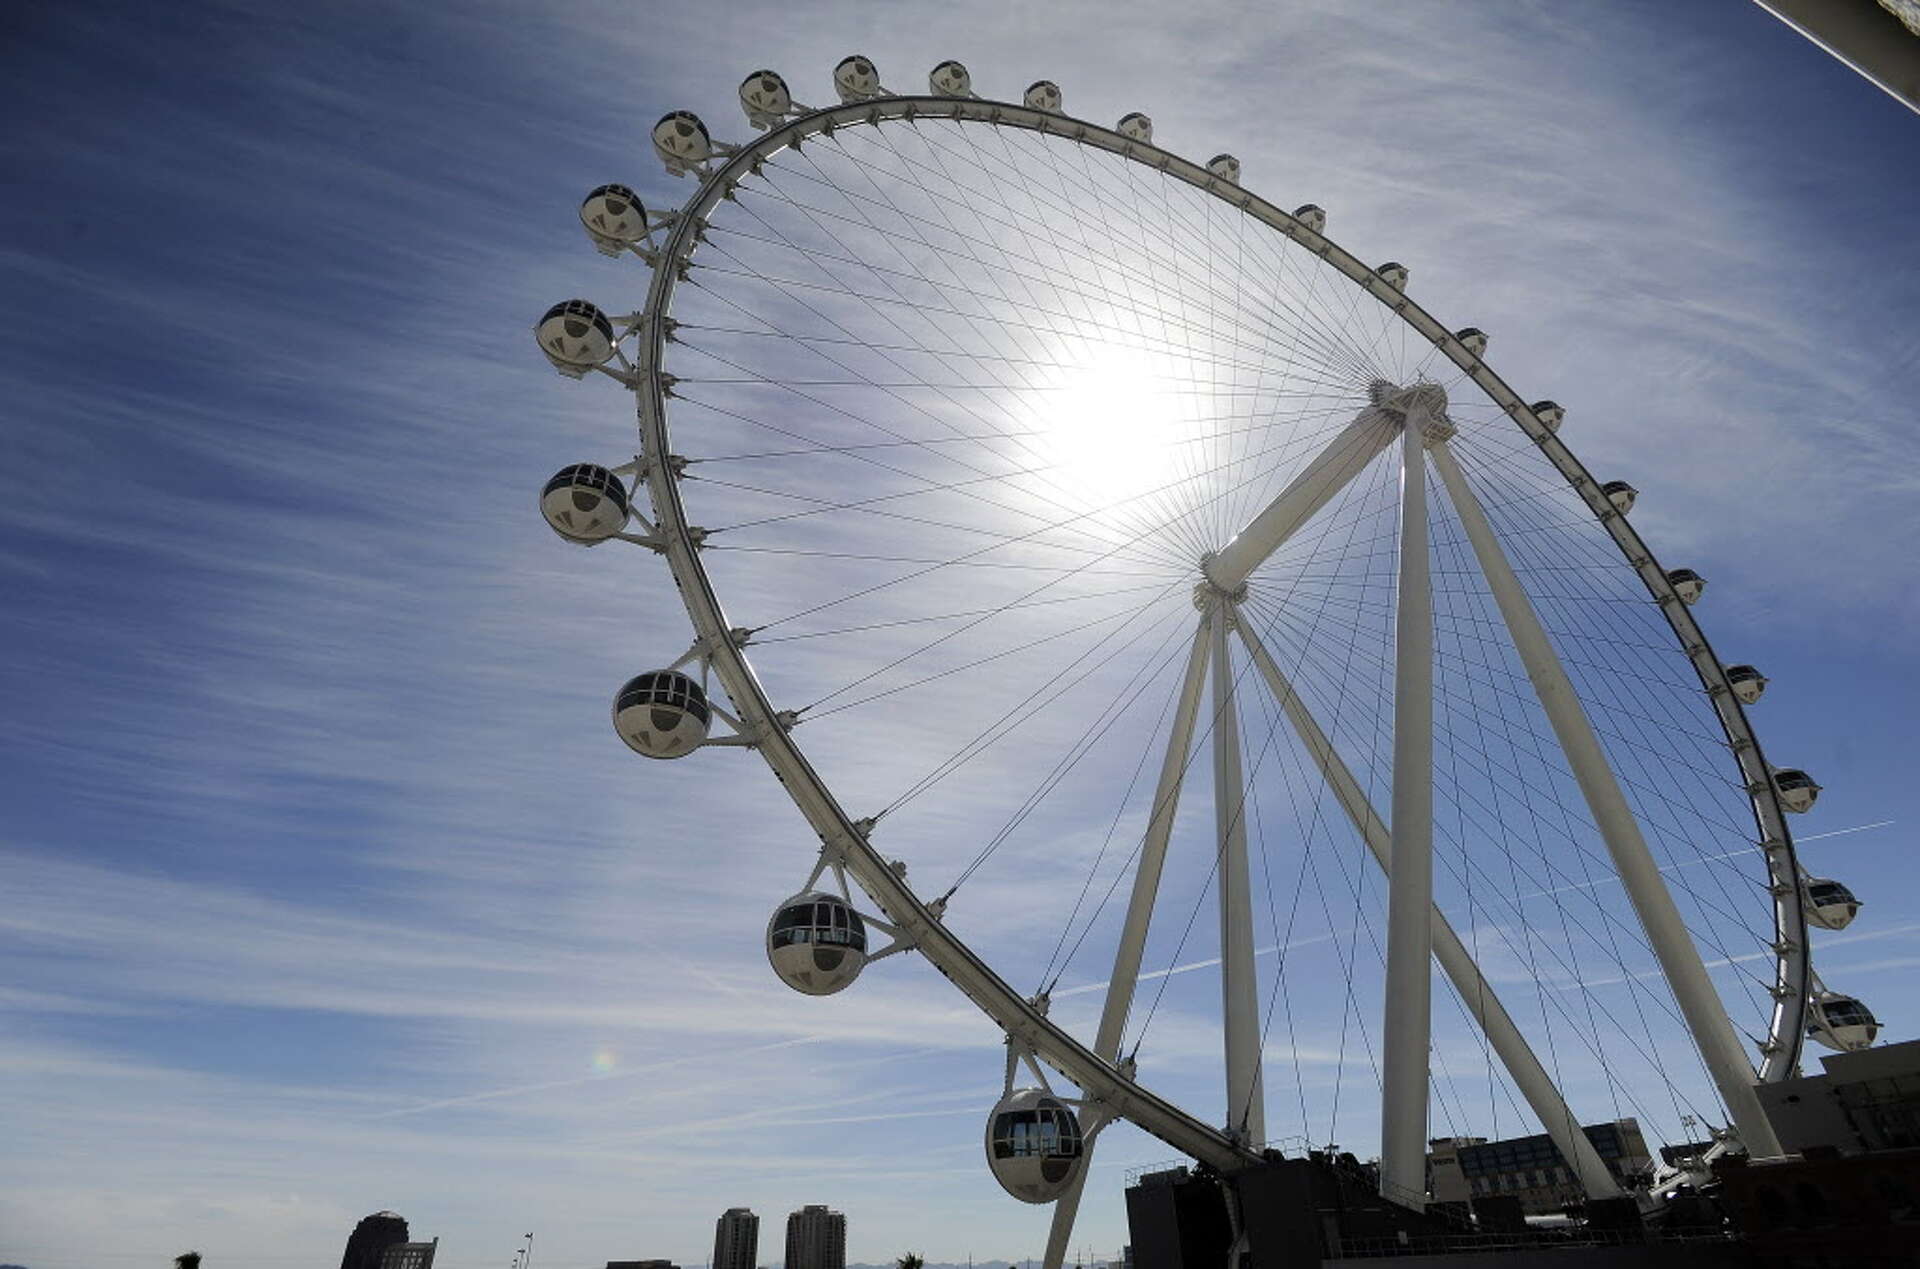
1023, 481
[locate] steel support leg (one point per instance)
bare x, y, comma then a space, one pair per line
1409, 989
1146, 888
1693, 990
1529, 1076
1246, 1101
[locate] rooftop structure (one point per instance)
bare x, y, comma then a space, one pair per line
1863, 1101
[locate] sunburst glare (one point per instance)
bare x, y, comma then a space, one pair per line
1110, 427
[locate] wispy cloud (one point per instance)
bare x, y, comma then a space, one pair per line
328, 888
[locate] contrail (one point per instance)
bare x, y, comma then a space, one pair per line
492, 1094
1839, 832
1190, 966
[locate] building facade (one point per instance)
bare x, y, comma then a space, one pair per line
409, 1255
816, 1238
371, 1238
736, 1239
1532, 1169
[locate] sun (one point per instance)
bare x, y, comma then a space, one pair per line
1110, 427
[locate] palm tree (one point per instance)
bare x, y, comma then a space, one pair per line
912, 1260
187, 1260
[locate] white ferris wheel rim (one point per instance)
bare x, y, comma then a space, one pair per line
845, 839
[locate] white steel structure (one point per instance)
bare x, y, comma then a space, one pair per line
1878, 38
1001, 430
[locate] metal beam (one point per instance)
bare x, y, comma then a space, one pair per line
1239, 993
1864, 35
1693, 990
1146, 888
1409, 988
1345, 457
1529, 1076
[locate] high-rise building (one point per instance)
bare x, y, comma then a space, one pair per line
816, 1238
409, 1255
736, 1239
371, 1238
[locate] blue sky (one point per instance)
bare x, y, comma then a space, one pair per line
326, 888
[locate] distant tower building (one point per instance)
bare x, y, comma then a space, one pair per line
736, 1239
410, 1255
371, 1238
816, 1239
